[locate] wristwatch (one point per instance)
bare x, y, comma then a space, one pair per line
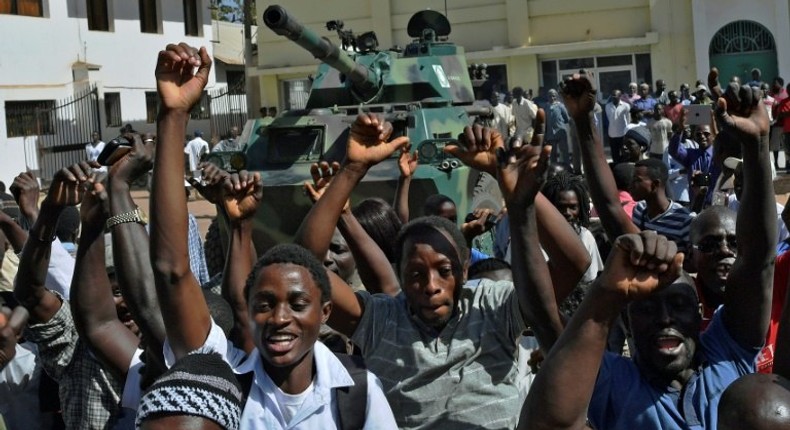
134, 216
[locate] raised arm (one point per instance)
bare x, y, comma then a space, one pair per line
408, 165
92, 303
373, 268
579, 96
563, 387
30, 284
130, 246
747, 297
367, 145
520, 172
184, 311
26, 191
11, 229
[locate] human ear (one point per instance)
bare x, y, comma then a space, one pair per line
326, 310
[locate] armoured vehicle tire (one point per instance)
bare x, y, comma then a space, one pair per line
487, 194
212, 248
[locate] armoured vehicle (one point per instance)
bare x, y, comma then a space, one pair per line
423, 89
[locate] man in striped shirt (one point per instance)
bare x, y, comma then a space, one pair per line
655, 211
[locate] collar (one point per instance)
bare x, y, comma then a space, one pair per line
329, 371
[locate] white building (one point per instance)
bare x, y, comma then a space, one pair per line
57, 51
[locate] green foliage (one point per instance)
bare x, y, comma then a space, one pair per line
233, 11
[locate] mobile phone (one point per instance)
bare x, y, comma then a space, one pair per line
113, 151
698, 114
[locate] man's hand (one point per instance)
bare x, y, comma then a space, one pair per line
67, 186
477, 226
26, 191
243, 192
407, 162
179, 86
367, 142
134, 164
322, 174
212, 182
741, 112
11, 326
478, 148
95, 204
522, 168
578, 94
640, 264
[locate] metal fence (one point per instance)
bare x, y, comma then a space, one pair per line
228, 109
71, 122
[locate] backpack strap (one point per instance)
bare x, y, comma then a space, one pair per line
352, 402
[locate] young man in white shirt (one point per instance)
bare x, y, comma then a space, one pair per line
619, 115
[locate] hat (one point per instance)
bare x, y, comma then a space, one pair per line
201, 385
701, 87
198, 133
732, 163
640, 135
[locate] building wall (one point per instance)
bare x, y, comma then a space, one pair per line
36, 62
522, 33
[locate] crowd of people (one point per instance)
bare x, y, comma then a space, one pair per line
607, 301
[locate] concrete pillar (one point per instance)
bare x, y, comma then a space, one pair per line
517, 23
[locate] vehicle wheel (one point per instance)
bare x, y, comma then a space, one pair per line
486, 194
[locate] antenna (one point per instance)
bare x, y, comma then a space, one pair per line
445, 7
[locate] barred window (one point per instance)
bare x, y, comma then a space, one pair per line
112, 109
151, 106
202, 110
236, 81
21, 7
29, 118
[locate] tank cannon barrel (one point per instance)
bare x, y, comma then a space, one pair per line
276, 18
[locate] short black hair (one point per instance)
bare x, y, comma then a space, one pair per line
289, 253
420, 226
656, 169
487, 265
381, 223
434, 202
565, 181
779, 80
623, 175
68, 224
220, 311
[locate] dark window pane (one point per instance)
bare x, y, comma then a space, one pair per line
577, 63
236, 81
151, 106
148, 21
112, 109
191, 25
615, 60
202, 110
549, 74
98, 19
29, 118
644, 72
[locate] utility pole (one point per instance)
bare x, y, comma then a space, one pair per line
252, 110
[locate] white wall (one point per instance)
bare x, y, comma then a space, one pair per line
711, 15
37, 57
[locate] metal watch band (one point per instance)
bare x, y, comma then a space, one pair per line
132, 216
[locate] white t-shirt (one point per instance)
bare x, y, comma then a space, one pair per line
93, 151
289, 404
619, 117
194, 149
524, 112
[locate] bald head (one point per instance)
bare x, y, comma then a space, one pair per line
758, 402
714, 215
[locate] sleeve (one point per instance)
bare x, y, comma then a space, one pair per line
378, 414
60, 270
678, 151
56, 340
616, 375
477, 255
501, 300
378, 310
719, 346
197, 258
216, 341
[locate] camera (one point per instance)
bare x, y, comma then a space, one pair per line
491, 220
701, 180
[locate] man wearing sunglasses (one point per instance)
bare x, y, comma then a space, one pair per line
699, 161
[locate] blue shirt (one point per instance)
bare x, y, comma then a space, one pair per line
624, 399
556, 122
695, 159
645, 104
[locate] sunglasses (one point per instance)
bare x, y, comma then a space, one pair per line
712, 245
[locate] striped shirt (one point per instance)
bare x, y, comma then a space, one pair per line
674, 223
463, 377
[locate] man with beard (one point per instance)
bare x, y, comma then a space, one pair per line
677, 376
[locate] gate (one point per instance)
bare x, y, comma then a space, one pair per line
740, 46
72, 121
228, 109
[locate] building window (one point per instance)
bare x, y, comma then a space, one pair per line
191, 21
236, 81
98, 15
112, 109
148, 20
202, 110
610, 72
21, 7
29, 118
296, 92
151, 106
